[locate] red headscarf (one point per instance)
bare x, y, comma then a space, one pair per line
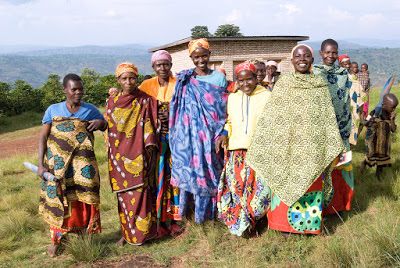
343, 57
245, 66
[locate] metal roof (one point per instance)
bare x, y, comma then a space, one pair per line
232, 38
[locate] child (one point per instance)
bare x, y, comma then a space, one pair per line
354, 67
363, 77
242, 197
377, 139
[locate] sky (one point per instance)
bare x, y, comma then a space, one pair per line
157, 22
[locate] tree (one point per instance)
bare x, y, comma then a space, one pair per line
227, 30
5, 88
52, 91
200, 31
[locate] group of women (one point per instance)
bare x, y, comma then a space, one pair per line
184, 145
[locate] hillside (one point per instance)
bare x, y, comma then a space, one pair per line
35, 65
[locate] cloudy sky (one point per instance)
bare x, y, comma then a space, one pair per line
119, 22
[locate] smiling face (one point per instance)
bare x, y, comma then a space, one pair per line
364, 67
260, 72
162, 68
247, 81
74, 91
329, 54
345, 64
200, 58
302, 60
128, 82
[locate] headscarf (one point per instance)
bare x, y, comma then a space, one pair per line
161, 55
245, 66
126, 67
272, 63
301, 45
198, 43
296, 137
343, 57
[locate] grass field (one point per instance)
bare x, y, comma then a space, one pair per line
366, 236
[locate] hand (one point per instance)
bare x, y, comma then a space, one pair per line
392, 115
221, 142
41, 171
96, 124
163, 111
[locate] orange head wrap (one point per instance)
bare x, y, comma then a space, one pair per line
198, 43
126, 67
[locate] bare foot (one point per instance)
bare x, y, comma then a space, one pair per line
285, 235
121, 242
52, 250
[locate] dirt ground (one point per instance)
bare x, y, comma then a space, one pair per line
19, 145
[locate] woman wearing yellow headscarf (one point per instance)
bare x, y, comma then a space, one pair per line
132, 138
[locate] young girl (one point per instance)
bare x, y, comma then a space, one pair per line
294, 143
242, 196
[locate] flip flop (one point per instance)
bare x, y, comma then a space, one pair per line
176, 231
161, 231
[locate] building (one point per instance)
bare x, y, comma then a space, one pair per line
230, 51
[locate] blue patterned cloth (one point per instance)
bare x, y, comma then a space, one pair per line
339, 86
197, 117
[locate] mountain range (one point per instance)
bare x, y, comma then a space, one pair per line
33, 64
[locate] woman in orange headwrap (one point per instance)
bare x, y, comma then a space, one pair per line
132, 125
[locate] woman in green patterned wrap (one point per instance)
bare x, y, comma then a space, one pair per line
66, 150
294, 144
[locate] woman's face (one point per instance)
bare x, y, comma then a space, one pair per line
162, 68
302, 60
329, 54
200, 58
247, 81
128, 82
271, 70
260, 71
74, 91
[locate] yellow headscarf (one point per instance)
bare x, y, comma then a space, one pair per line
126, 67
300, 45
198, 43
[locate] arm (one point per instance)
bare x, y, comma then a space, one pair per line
393, 126
163, 116
44, 134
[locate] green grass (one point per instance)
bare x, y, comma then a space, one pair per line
366, 236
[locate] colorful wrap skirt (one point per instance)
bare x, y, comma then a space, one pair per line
343, 189
136, 209
167, 195
242, 198
78, 218
304, 216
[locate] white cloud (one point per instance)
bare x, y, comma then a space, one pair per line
289, 9
339, 15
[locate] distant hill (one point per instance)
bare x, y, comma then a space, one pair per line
34, 63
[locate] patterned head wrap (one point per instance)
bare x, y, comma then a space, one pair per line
198, 43
343, 57
245, 66
126, 67
301, 45
272, 63
161, 55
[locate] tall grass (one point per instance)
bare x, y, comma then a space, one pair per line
86, 247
